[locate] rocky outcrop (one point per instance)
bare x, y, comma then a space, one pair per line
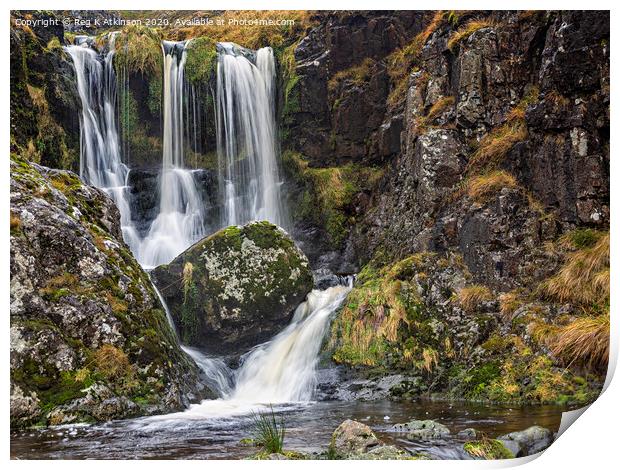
422, 429
89, 337
235, 288
356, 441
44, 97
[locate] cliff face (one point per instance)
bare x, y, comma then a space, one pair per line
454, 98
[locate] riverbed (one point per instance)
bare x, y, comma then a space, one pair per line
215, 428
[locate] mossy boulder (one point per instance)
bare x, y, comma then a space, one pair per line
89, 337
488, 449
235, 288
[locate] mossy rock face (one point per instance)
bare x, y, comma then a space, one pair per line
488, 449
89, 337
235, 288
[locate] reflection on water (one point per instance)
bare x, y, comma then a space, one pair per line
309, 428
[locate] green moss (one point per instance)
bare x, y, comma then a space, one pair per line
155, 95
488, 449
201, 60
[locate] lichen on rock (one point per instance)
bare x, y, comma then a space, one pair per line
235, 288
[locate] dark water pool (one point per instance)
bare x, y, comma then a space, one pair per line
195, 435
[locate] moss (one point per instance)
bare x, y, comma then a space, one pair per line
201, 60
328, 193
138, 49
488, 449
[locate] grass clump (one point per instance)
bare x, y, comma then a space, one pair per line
402, 61
496, 144
138, 49
479, 188
15, 222
112, 362
357, 74
268, 432
469, 298
488, 449
467, 30
436, 110
584, 277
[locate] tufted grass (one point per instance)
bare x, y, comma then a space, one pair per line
357, 74
494, 146
138, 48
15, 222
469, 298
480, 188
402, 61
268, 432
436, 110
584, 277
488, 449
509, 302
467, 30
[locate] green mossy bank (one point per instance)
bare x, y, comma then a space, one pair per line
89, 337
235, 288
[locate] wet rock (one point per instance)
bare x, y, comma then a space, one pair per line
468, 433
352, 438
89, 337
527, 442
235, 288
422, 429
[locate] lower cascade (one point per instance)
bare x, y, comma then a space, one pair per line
283, 370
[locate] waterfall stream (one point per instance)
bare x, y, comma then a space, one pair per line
246, 136
181, 220
100, 157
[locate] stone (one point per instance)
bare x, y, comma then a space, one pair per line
89, 337
236, 288
422, 429
352, 438
527, 442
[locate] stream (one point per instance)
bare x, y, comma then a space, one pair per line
308, 429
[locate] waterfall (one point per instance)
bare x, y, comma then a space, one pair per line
246, 135
284, 369
181, 220
100, 157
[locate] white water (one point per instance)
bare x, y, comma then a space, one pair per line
101, 164
280, 371
180, 221
246, 136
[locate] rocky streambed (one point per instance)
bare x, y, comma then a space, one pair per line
309, 429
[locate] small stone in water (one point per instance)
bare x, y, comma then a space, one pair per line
386, 418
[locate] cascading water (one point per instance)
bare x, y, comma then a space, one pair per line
181, 220
100, 157
246, 136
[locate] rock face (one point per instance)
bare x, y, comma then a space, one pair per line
235, 288
89, 337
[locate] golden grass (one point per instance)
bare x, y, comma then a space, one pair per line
402, 61
584, 277
117, 305
480, 188
585, 341
357, 74
251, 36
112, 362
494, 146
430, 358
15, 222
467, 30
139, 49
436, 110
509, 302
469, 298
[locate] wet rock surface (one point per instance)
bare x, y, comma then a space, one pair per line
89, 337
236, 288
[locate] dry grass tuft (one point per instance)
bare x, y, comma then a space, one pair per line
436, 110
112, 362
402, 61
139, 49
585, 341
15, 222
584, 278
470, 28
509, 302
480, 188
357, 74
496, 144
469, 298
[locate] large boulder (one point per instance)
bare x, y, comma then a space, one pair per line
353, 440
89, 337
235, 288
